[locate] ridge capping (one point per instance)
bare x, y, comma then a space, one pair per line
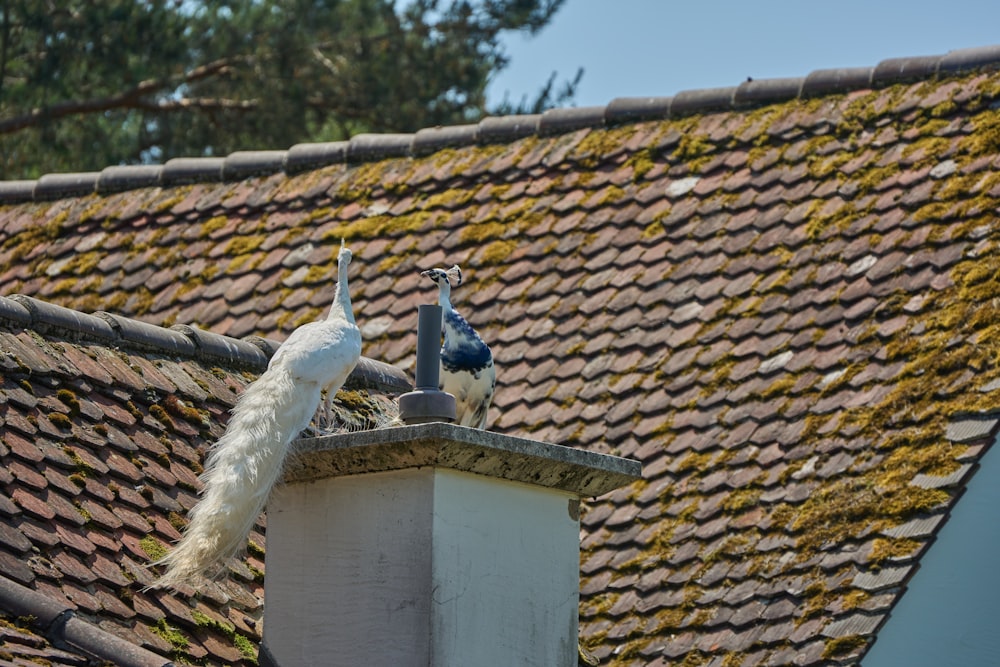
369, 147
180, 340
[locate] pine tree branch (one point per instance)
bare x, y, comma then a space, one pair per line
137, 97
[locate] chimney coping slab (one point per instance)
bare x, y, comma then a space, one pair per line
438, 444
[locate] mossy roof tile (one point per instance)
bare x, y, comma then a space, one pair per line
87, 511
740, 287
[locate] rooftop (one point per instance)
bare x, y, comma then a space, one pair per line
106, 421
780, 297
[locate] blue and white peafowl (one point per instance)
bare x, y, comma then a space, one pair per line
247, 460
467, 370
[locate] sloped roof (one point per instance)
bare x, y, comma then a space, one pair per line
105, 423
780, 297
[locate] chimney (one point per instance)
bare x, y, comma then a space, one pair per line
430, 544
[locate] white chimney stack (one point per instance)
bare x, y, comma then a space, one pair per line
433, 545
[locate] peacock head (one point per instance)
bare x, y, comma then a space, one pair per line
451, 277
345, 253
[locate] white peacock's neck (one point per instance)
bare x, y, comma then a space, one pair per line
444, 296
341, 306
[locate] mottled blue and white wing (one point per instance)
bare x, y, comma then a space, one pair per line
467, 371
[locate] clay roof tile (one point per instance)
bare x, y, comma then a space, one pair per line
730, 295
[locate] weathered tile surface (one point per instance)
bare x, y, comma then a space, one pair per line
787, 312
102, 443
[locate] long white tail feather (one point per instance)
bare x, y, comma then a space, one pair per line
248, 459
239, 473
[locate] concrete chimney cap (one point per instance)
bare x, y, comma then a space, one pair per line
461, 448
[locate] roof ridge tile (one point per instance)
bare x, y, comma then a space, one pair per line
15, 192
432, 139
14, 311
222, 347
60, 624
143, 334
179, 340
187, 170
963, 60
50, 314
899, 70
302, 157
245, 164
371, 147
502, 129
688, 102
61, 185
767, 91
498, 129
119, 178
569, 119
625, 109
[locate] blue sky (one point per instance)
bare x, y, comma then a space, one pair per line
660, 47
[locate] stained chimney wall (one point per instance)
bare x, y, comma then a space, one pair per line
432, 545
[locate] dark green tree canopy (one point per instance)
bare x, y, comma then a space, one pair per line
84, 85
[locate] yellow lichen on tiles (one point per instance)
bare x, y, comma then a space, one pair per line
448, 199
883, 496
141, 299
23, 243
985, 137
116, 301
864, 109
171, 198
497, 252
875, 500
90, 301
887, 548
213, 225
822, 166
282, 321
655, 228
152, 547
247, 263
926, 151
380, 225
242, 245
311, 315
780, 387
91, 211
605, 197
741, 499
63, 287
599, 143
362, 179
83, 264
185, 411
826, 217
481, 232
641, 163
842, 646
390, 262
693, 150
317, 214
525, 214
874, 177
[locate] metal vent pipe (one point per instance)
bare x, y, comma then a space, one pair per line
427, 403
